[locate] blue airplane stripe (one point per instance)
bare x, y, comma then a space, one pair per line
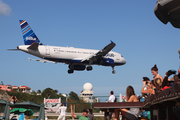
76, 61
32, 34
28, 42
27, 34
25, 28
20, 21
22, 26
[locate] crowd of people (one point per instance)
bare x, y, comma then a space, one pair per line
158, 83
150, 87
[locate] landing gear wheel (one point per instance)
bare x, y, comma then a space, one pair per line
89, 68
70, 71
113, 71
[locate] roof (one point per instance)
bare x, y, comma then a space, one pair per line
14, 87
8, 85
24, 87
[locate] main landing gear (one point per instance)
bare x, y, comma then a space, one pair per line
113, 70
70, 71
89, 68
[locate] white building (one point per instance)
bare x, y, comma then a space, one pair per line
25, 89
87, 92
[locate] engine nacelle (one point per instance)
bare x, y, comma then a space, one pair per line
107, 62
77, 67
168, 11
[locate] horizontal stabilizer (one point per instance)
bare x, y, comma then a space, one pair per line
43, 61
34, 46
13, 49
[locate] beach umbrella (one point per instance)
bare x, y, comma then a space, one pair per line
2, 102
26, 104
27, 112
6, 111
41, 113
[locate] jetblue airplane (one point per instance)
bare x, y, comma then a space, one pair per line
76, 58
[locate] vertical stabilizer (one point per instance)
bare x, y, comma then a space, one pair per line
28, 35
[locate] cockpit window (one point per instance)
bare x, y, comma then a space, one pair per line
121, 56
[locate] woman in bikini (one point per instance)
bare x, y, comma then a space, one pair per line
132, 113
154, 71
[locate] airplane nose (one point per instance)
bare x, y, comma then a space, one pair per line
123, 60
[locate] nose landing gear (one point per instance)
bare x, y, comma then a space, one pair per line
113, 72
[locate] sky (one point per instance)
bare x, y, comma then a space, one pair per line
139, 36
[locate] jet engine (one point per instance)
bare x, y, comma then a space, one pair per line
77, 67
107, 62
168, 11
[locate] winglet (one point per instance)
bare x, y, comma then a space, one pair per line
111, 42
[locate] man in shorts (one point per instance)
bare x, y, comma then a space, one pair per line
62, 109
80, 117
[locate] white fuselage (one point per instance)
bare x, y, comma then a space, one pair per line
69, 54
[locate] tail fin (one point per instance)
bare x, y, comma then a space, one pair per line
28, 34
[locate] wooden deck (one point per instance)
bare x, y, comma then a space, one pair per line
160, 105
106, 105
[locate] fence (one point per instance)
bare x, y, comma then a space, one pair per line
80, 103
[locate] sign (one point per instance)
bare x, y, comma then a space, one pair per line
52, 104
122, 98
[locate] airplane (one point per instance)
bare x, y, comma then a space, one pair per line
77, 58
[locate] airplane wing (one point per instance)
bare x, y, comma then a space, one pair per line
43, 61
101, 53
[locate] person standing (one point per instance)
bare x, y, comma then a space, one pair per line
107, 113
13, 100
62, 110
112, 97
80, 117
90, 115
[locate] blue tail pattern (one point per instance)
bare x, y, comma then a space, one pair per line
28, 35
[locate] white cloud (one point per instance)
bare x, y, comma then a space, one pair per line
4, 8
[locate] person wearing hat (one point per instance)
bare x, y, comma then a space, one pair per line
63, 108
80, 117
